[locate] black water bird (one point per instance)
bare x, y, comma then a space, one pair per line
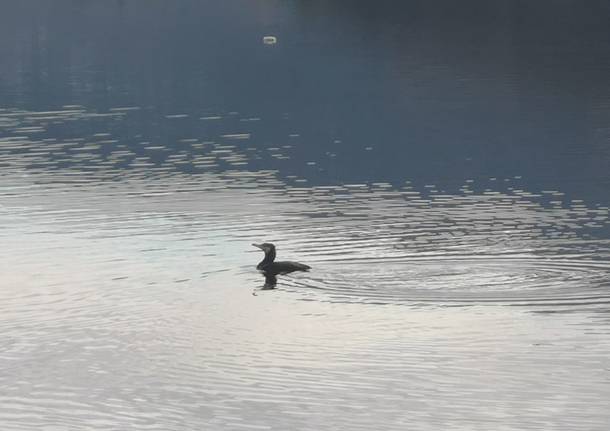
270, 268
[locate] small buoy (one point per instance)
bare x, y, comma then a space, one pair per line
269, 40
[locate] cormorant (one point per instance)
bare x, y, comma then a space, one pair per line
270, 268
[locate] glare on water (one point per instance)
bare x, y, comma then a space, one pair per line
456, 223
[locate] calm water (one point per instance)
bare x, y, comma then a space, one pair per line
443, 167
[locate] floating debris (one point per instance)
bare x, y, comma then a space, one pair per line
269, 40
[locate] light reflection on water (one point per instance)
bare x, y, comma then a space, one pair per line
442, 166
130, 297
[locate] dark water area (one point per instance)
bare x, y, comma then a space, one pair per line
444, 167
423, 91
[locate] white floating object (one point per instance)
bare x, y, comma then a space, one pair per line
269, 40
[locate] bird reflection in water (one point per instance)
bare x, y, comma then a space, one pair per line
270, 282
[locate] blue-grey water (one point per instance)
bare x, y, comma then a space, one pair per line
443, 166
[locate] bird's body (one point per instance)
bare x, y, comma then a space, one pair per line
282, 267
270, 268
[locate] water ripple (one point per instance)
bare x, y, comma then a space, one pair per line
128, 279
513, 280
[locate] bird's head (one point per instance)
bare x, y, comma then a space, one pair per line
267, 247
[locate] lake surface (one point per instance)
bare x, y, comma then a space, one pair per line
444, 168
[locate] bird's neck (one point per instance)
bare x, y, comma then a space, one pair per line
269, 257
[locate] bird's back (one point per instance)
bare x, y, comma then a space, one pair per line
285, 267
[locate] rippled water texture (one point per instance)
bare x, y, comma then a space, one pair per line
454, 212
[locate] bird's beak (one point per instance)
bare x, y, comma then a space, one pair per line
258, 246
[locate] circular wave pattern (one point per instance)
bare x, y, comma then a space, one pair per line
462, 280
